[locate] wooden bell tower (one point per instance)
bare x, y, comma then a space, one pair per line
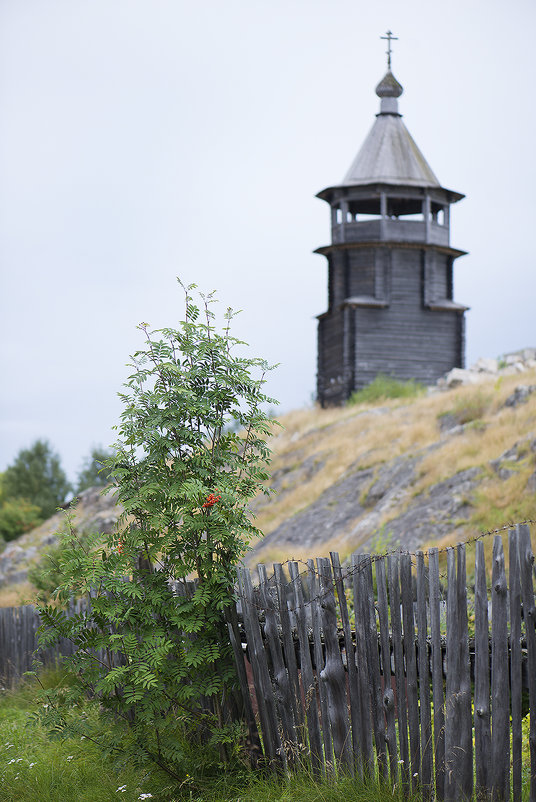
390, 265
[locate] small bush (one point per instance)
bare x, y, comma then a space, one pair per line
384, 387
17, 516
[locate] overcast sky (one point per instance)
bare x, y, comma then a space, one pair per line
145, 139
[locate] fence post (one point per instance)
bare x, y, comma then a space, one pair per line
362, 669
481, 702
307, 676
351, 666
388, 695
515, 663
526, 560
314, 588
333, 674
437, 672
255, 748
259, 666
373, 660
283, 694
396, 625
411, 667
289, 650
424, 680
500, 690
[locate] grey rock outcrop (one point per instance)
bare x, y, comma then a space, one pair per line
92, 512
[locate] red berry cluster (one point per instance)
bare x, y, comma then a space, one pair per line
211, 500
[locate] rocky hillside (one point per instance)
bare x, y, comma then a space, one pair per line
437, 468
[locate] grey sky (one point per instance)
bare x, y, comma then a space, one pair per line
145, 139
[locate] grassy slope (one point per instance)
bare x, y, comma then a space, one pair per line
359, 436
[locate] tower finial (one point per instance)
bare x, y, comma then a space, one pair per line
389, 38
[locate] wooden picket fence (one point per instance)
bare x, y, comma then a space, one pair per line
19, 643
371, 668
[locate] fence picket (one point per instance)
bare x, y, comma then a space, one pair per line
282, 690
411, 667
515, 663
255, 748
396, 624
388, 695
500, 690
353, 688
466, 719
437, 672
373, 661
482, 673
333, 674
452, 705
314, 586
424, 680
362, 667
307, 676
289, 651
526, 560
261, 677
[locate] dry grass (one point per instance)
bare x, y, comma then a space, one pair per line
15, 595
367, 435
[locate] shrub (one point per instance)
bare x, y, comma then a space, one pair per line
158, 665
17, 516
384, 387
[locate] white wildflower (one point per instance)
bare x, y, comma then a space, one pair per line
121, 789
31, 765
11, 761
145, 796
70, 757
18, 760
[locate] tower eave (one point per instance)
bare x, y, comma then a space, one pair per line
325, 250
328, 193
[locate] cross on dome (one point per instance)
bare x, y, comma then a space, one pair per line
389, 38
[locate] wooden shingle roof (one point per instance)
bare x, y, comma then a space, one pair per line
389, 154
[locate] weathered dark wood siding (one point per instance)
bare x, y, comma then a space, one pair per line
406, 340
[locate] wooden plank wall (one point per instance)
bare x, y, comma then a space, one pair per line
366, 666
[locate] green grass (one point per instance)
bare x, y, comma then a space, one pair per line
36, 768
385, 387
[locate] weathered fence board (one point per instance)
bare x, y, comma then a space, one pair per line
500, 730
307, 677
400, 680
482, 714
437, 672
351, 668
526, 560
333, 673
411, 667
515, 664
424, 680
